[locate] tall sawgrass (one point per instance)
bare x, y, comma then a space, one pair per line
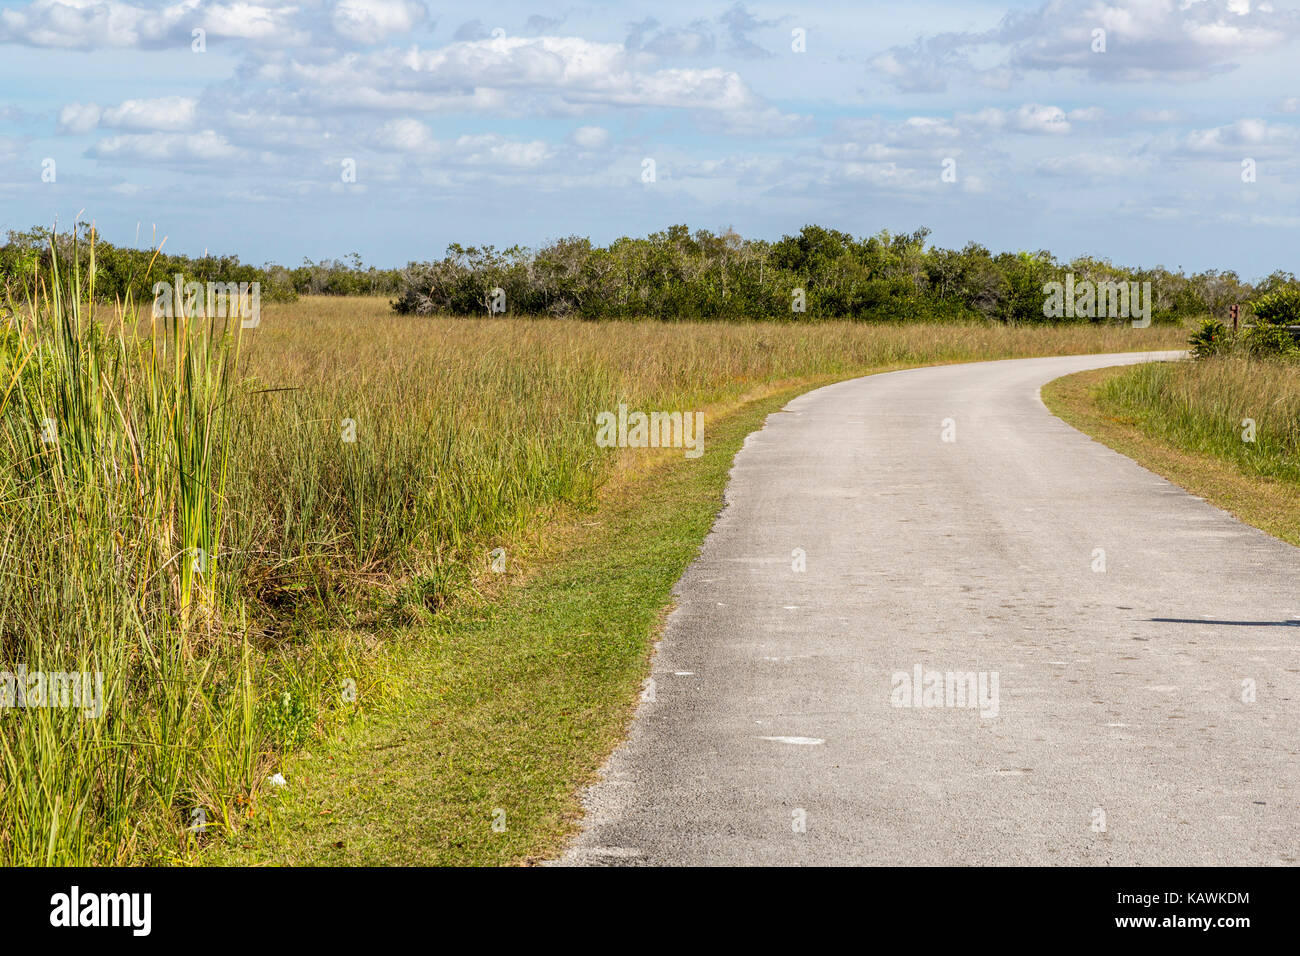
173, 523
115, 448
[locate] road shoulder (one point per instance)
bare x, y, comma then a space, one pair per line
1264, 503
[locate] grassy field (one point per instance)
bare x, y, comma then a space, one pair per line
280, 538
1226, 428
502, 708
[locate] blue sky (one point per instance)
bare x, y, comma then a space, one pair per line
509, 122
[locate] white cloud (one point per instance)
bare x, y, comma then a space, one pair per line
83, 24
904, 157
931, 127
204, 147
912, 70
590, 137
570, 69
1095, 166
1030, 118
1254, 134
406, 136
1144, 39
164, 113
767, 122
79, 117
370, 21
695, 40
114, 24
1033, 118
495, 150
167, 113
249, 21
517, 76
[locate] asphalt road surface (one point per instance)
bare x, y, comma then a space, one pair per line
1115, 627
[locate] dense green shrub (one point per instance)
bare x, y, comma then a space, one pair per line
1279, 307
122, 273
1266, 340
1212, 338
1274, 310
818, 274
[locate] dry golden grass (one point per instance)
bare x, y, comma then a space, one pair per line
324, 339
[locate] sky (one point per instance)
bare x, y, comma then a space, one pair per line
1149, 132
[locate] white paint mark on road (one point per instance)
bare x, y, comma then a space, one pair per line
800, 741
616, 852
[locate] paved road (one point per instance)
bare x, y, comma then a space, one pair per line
1119, 691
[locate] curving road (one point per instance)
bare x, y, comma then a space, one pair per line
1118, 734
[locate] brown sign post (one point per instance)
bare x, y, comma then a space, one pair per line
1233, 312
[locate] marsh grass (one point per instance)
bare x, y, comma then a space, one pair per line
1203, 406
115, 451
194, 525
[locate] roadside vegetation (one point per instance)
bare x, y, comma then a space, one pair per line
1225, 425
677, 274
818, 274
244, 530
